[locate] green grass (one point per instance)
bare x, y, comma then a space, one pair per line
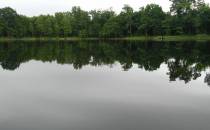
201, 37
4, 39
172, 38
39, 39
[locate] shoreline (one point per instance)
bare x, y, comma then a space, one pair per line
133, 38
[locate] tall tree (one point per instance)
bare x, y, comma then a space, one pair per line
180, 7
80, 21
204, 19
151, 21
98, 19
9, 21
112, 28
126, 19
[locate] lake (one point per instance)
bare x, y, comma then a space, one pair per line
105, 85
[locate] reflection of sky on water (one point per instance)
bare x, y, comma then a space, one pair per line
50, 96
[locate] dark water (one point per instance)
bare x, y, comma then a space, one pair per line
105, 86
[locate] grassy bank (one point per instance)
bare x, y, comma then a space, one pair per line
135, 38
171, 38
2, 39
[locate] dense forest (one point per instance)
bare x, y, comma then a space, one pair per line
186, 17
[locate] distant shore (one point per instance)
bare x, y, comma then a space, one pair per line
201, 37
132, 38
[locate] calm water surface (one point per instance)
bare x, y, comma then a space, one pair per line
105, 86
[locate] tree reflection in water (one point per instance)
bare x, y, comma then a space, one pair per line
185, 60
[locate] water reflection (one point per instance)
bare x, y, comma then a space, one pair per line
185, 60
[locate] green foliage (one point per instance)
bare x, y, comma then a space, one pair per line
187, 17
204, 19
126, 20
63, 24
112, 28
9, 22
151, 20
80, 20
98, 19
181, 7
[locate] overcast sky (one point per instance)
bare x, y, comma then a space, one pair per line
37, 7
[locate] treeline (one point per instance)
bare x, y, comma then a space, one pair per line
186, 17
